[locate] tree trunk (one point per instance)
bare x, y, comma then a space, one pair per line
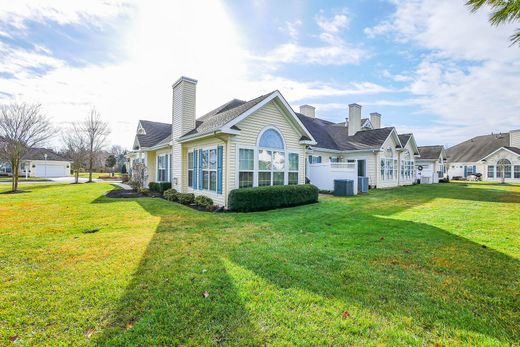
15, 167
90, 164
76, 176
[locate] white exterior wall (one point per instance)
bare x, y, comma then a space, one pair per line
387, 183
402, 156
429, 171
457, 169
492, 160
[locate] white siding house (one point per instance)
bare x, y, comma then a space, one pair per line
496, 157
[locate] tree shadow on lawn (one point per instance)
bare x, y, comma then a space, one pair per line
165, 303
412, 281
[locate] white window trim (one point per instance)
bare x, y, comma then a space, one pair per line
256, 150
195, 172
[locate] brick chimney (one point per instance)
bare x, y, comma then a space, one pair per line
308, 110
354, 119
183, 120
375, 119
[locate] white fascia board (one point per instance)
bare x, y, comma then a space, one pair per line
497, 150
274, 95
204, 135
344, 152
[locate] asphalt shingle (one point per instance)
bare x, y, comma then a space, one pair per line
476, 148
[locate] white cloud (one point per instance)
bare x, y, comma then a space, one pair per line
292, 28
334, 24
336, 50
16, 13
16, 61
469, 77
165, 40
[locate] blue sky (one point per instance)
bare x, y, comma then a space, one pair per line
429, 67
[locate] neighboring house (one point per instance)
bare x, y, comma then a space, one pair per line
153, 147
495, 156
43, 162
359, 146
431, 166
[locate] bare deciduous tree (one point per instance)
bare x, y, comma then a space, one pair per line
22, 127
139, 174
76, 149
96, 132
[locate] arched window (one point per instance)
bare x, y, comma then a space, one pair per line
271, 139
269, 163
503, 162
503, 168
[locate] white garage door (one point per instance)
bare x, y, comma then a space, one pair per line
50, 170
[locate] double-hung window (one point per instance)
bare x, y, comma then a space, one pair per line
161, 168
491, 171
516, 171
314, 159
246, 167
293, 168
190, 169
209, 169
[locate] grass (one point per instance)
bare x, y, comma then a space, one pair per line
420, 265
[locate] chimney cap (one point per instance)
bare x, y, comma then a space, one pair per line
375, 114
184, 79
354, 105
306, 105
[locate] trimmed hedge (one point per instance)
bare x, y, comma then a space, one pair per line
268, 198
159, 187
170, 194
185, 198
203, 201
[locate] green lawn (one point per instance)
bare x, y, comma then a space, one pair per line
412, 266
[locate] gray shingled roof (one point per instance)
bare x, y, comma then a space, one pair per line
39, 154
430, 152
222, 115
334, 136
404, 138
155, 133
477, 148
513, 149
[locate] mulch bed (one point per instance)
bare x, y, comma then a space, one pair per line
123, 193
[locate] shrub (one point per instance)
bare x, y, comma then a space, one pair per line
203, 201
267, 198
185, 198
170, 194
136, 185
159, 187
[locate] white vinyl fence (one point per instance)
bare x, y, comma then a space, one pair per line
323, 175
